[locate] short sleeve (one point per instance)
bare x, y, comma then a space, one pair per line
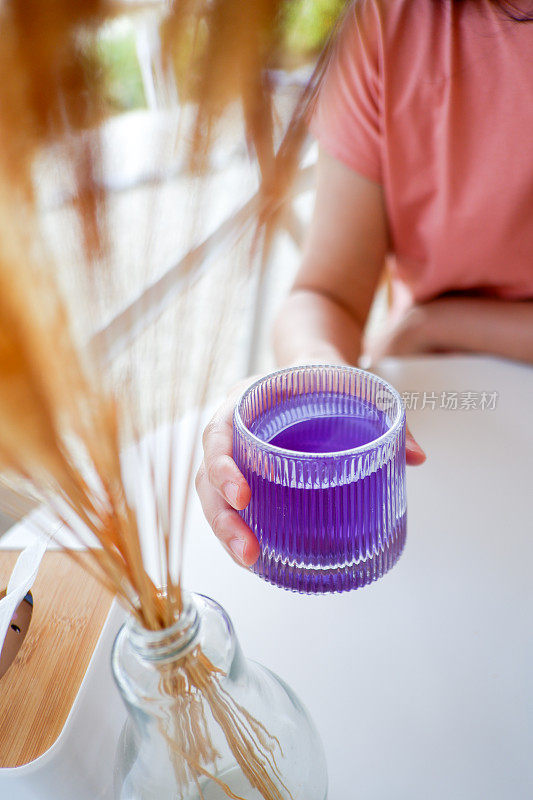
347, 118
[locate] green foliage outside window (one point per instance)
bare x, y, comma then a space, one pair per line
122, 79
306, 25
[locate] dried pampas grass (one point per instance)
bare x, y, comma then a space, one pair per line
68, 407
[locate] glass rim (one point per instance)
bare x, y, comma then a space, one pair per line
374, 444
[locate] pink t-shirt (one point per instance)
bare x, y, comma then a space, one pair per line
434, 100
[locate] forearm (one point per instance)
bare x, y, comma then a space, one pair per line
483, 325
342, 260
311, 326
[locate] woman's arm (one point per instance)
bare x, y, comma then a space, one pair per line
463, 324
324, 316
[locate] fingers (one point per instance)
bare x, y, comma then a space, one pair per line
223, 489
222, 472
414, 455
227, 526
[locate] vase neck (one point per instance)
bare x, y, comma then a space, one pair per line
168, 643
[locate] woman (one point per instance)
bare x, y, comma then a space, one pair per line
426, 161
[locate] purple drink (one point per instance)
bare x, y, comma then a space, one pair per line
323, 449
331, 433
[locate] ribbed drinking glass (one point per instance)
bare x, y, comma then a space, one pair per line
323, 450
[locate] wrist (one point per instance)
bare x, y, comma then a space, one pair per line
417, 332
445, 323
321, 354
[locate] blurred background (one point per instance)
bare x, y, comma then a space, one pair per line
149, 197
124, 43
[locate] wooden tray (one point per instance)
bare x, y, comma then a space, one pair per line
39, 688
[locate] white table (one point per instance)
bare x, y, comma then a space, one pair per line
421, 683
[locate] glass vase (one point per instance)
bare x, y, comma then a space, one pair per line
203, 719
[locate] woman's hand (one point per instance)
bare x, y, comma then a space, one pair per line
223, 489
461, 324
221, 486
413, 334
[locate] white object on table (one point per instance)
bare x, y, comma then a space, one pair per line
20, 583
420, 684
